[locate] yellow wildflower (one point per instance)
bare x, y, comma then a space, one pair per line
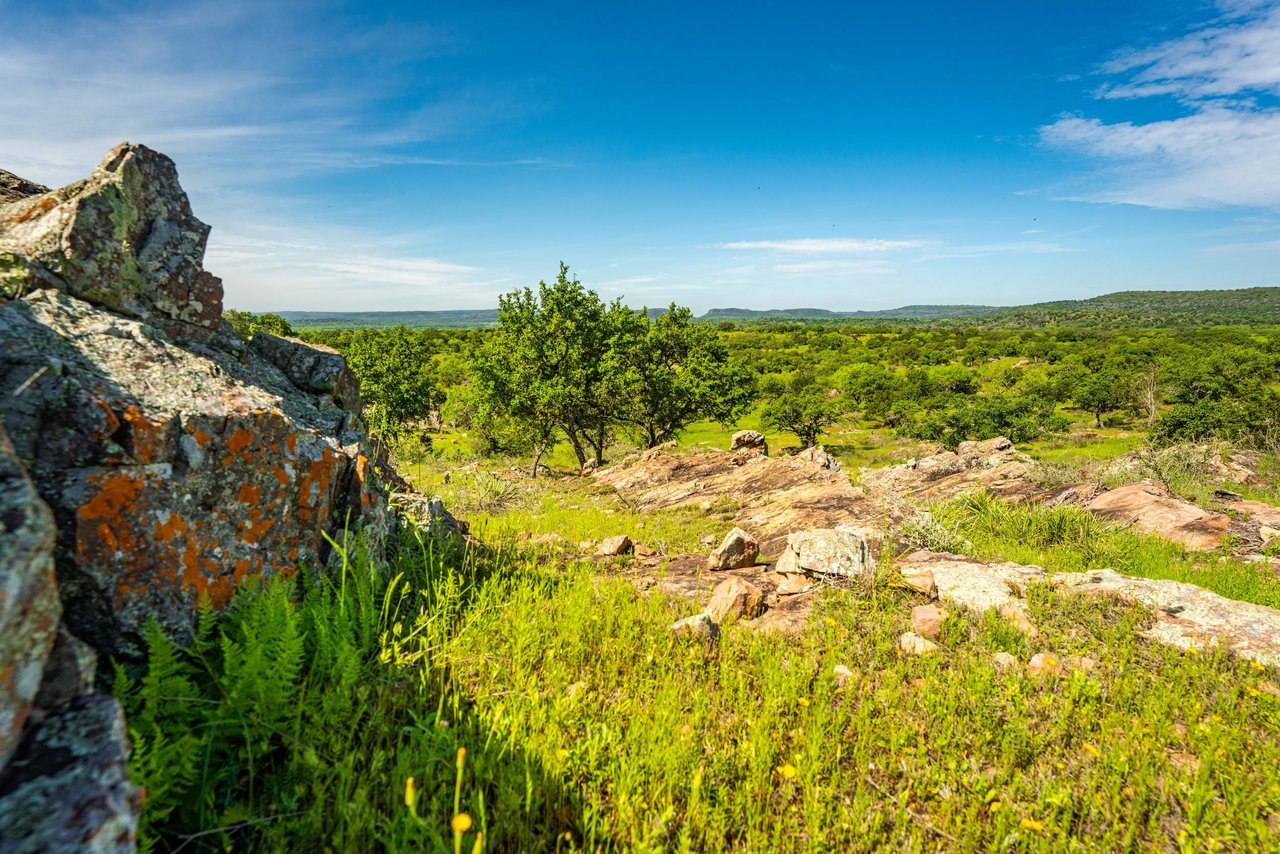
1032, 824
1091, 750
995, 805
804, 701
788, 771
461, 823
829, 621
1256, 666
410, 795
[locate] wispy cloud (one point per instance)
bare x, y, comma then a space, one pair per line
838, 269
1224, 149
237, 91
824, 245
986, 250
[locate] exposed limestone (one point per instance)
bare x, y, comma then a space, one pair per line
68, 788
774, 495
733, 599
698, 627
1152, 510
13, 188
1186, 616
1044, 664
993, 465
927, 620
738, 550
832, 551
1004, 661
177, 462
912, 644
819, 457
29, 606
614, 546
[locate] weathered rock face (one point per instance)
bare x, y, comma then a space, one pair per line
833, 551
738, 550
749, 441
1152, 510
124, 239
175, 459
993, 465
29, 606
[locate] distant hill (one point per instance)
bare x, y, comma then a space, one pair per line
906, 312
1123, 308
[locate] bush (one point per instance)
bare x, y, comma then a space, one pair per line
1021, 419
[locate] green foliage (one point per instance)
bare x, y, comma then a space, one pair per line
668, 372
246, 324
1019, 419
586, 725
802, 408
397, 383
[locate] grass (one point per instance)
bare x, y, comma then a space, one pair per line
1071, 539
297, 722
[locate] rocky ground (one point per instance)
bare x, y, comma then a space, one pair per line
801, 525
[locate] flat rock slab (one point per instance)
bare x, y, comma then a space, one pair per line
1259, 511
1152, 510
775, 495
1186, 616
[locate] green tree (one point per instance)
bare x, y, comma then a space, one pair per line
803, 409
394, 367
246, 323
668, 372
1101, 391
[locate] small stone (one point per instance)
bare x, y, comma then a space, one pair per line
787, 562
524, 536
645, 551
927, 620
586, 546
793, 583
751, 441
1013, 612
1082, 662
589, 468
1267, 533
708, 539
734, 598
1044, 663
1273, 823
1004, 661
912, 644
1267, 687
841, 675
614, 546
553, 539
738, 550
698, 627
921, 580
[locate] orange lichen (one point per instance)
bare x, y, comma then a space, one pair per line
171, 527
239, 440
202, 438
117, 493
249, 494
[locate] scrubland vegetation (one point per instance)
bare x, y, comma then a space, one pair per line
508, 696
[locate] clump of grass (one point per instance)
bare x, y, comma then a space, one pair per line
297, 721
1071, 539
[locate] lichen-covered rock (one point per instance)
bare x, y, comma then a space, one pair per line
13, 188
1152, 510
29, 606
68, 788
827, 551
749, 441
176, 460
124, 239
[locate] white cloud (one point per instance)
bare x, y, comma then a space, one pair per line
824, 245
1223, 151
842, 269
985, 250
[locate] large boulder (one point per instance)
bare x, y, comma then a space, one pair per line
29, 606
829, 551
176, 460
749, 442
124, 239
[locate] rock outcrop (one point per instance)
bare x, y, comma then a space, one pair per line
1150, 509
993, 465
1185, 616
175, 460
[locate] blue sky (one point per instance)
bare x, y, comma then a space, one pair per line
846, 156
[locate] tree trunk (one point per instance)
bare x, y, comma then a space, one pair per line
1097, 419
541, 449
576, 443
